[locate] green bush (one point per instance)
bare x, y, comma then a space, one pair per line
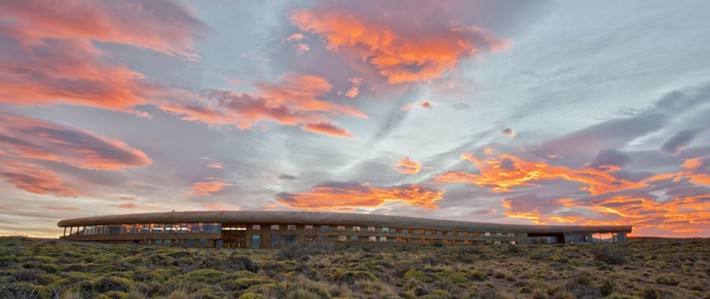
609, 254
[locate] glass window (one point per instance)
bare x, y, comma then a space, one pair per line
342, 238
255, 241
203, 242
274, 227
370, 228
166, 242
256, 227
439, 233
308, 227
385, 229
324, 228
309, 237
291, 227
158, 242
499, 235
383, 239
487, 234
405, 231
356, 228
275, 241
511, 235
373, 239
289, 239
341, 228
353, 238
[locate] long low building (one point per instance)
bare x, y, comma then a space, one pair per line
275, 229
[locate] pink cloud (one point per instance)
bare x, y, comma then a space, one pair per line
35, 179
31, 138
400, 54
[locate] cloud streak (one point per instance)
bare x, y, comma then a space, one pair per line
351, 195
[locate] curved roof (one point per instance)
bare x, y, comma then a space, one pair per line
328, 218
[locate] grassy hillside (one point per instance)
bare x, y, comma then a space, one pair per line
643, 268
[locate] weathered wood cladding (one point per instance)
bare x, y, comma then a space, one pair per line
238, 229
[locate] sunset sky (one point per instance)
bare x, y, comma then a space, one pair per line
528, 112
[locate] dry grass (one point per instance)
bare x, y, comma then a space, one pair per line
643, 268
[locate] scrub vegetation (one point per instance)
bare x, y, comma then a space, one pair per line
642, 268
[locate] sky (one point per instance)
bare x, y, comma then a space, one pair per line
533, 112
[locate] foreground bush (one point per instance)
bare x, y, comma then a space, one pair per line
644, 268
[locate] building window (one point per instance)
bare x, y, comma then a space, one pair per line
451, 233
241, 227
341, 228
371, 229
342, 238
289, 239
499, 235
203, 242
373, 239
487, 234
256, 241
439, 233
383, 239
309, 238
511, 235
404, 231
325, 228
308, 227
256, 227
353, 238
274, 227
385, 229
356, 228
275, 241
291, 227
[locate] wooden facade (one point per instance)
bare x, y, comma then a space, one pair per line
262, 229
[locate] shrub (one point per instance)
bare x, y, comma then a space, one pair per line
668, 279
609, 254
350, 277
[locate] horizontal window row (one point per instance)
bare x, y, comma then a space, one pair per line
159, 228
148, 228
384, 229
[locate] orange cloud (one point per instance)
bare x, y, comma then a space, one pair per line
296, 100
681, 216
354, 90
692, 170
31, 138
49, 54
327, 129
354, 195
408, 166
508, 171
397, 56
303, 93
212, 185
35, 179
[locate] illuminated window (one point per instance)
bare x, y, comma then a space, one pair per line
341, 228
241, 227
370, 228
356, 228
385, 229
342, 238
274, 227
308, 227
383, 239
373, 239
256, 227
499, 235
291, 227
487, 234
